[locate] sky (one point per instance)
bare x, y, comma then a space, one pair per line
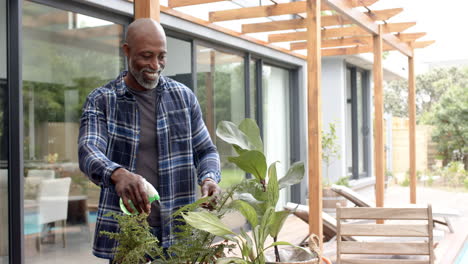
443, 21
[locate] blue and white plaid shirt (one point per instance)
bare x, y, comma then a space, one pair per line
108, 139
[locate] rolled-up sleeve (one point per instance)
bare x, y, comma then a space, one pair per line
92, 142
205, 153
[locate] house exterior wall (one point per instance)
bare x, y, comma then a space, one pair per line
334, 110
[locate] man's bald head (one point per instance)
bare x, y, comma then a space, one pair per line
144, 27
145, 47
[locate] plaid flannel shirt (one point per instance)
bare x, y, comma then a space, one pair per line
108, 139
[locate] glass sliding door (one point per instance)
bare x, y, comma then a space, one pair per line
65, 56
220, 91
3, 136
357, 123
276, 121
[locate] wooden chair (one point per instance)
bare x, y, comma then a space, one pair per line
360, 201
417, 223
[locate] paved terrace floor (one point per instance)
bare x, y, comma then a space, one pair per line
78, 248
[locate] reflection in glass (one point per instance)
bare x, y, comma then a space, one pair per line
275, 92
253, 90
349, 127
179, 61
360, 119
3, 137
65, 56
220, 91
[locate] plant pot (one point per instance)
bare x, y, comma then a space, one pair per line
330, 199
291, 255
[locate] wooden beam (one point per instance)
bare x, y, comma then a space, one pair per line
326, 33
397, 27
343, 7
114, 30
229, 32
314, 116
271, 10
147, 9
179, 3
423, 44
274, 25
410, 36
356, 3
340, 42
384, 14
412, 128
326, 21
258, 11
364, 49
379, 151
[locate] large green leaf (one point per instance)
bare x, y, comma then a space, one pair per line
251, 130
253, 187
230, 133
231, 260
252, 161
277, 221
293, 176
272, 187
246, 210
207, 222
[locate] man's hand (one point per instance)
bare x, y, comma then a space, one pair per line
130, 186
209, 188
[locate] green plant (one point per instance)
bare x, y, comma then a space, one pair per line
343, 181
135, 239
406, 181
136, 242
330, 149
257, 197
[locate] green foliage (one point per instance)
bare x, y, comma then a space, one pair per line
450, 118
135, 239
429, 89
191, 245
330, 149
344, 181
454, 174
257, 197
406, 181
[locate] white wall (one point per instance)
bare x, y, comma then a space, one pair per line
178, 62
334, 110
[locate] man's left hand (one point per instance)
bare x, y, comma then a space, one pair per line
209, 188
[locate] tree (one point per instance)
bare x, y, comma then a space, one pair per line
429, 88
450, 118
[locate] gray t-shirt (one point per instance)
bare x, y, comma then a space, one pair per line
146, 157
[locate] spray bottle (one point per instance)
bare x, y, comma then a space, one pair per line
153, 195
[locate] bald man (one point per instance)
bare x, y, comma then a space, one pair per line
143, 125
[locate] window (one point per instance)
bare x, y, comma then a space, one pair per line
3, 136
221, 93
65, 56
179, 61
276, 124
357, 123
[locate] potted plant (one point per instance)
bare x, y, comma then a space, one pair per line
331, 153
256, 199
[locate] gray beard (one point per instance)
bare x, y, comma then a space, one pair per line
138, 75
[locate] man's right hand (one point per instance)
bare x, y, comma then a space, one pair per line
130, 186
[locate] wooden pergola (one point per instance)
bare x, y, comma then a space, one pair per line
322, 28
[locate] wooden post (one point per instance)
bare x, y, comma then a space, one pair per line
412, 127
314, 112
146, 9
379, 153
